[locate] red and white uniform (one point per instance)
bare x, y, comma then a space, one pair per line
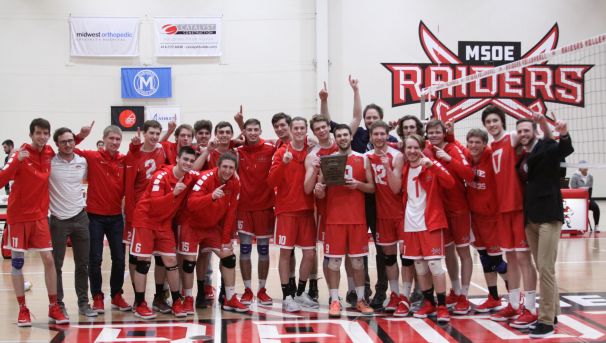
27, 209
321, 203
255, 209
213, 158
210, 223
346, 229
140, 166
509, 192
152, 221
483, 203
390, 214
295, 225
424, 215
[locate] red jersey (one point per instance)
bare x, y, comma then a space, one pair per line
213, 158
388, 204
105, 181
288, 179
455, 201
29, 198
204, 212
158, 205
509, 186
140, 166
253, 169
482, 188
170, 151
344, 205
433, 180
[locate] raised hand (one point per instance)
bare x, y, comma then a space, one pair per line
23, 154
212, 144
561, 127
323, 94
287, 157
239, 117
172, 125
85, 130
136, 140
218, 192
353, 82
179, 187
442, 155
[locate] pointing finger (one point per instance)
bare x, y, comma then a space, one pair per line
324, 85
92, 124
221, 187
240, 108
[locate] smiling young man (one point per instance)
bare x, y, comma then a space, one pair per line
183, 137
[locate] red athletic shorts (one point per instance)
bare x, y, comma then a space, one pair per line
459, 230
321, 230
25, 236
512, 235
390, 231
485, 234
346, 239
147, 242
191, 240
296, 230
127, 234
426, 245
257, 223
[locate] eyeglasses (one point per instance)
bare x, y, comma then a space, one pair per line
66, 142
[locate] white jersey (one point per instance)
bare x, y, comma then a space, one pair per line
414, 218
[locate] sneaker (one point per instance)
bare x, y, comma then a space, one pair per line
209, 292
426, 310
462, 306
188, 305
234, 304
555, 322
334, 310
443, 315
504, 314
378, 300
416, 297
488, 305
118, 303
142, 311
56, 316
363, 308
263, 298
87, 311
541, 331
306, 301
247, 297
160, 305
394, 299
451, 298
98, 305
202, 301
27, 286
367, 293
403, 308
24, 318
290, 305
313, 292
351, 298
178, 310
63, 309
525, 319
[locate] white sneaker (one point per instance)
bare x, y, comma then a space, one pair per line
290, 305
306, 301
27, 286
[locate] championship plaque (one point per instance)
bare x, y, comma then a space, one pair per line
333, 169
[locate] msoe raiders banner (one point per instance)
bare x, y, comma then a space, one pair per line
104, 37
193, 37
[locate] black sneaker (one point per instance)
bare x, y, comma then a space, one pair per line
201, 301
367, 293
351, 298
378, 300
541, 331
532, 326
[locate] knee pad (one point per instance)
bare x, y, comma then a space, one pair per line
334, 263
485, 260
245, 250
501, 266
229, 262
263, 250
17, 264
421, 267
158, 260
173, 268
435, 267
357, 263
406, 262
132, 259
390, 260
189, 266
143, 267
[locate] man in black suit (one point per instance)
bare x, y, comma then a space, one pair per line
539, 169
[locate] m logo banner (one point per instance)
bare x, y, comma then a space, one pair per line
104, 37
188, 36
146, 83
128, 118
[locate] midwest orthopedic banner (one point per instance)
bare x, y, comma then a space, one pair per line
193, 37
163, 114
104, 37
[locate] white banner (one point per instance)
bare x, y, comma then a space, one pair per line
575, 214
104, 37
163, 114
188, 36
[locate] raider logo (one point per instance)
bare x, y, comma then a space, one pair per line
519, 92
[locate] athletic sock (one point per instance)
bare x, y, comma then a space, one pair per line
301, 288
530, 300
188, 292
406, 287
175, 295
247, 284
493, 291
465, 290
229, 292
360, 292
262, 283
139, 298
428, 295
313, 284
514, 298
159, 290
292, 283
395, 286
285, 290
441, 299
456, 286
334, 294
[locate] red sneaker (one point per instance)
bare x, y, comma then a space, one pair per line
56, 315
426, 310
209, 292
451, 298
247, 297
98, 305
394, 299
403, 308
488, 305
118, 303
234, 304
188, 305
462, 306
24, 318
263, 298
178, 310
504, 314
144, 312
443, 315
525, 319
